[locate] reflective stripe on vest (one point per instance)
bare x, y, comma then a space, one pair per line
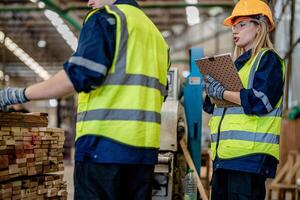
242, 134
120, 77
276, 112
126, 107
108, 114
247, 136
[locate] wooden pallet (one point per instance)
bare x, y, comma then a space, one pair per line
285, 180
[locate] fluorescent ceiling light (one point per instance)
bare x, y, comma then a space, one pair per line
192, 14
53, 103
24, 57
6, 77
177, 28
42, 43
62, 28
2, 36
41, 5
166, 34
215, 11
191, 1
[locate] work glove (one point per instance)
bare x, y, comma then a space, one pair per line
213, 88
10, 96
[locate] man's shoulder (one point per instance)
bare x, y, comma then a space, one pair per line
99, 14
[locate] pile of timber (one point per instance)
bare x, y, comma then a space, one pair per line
24, 119
38, 187
27, 153
30, 151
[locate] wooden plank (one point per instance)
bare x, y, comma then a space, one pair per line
34, 188
281, 173
3, 162
23, 120
291, 174
192, 166
285, 180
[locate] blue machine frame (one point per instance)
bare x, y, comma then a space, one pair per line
193, 107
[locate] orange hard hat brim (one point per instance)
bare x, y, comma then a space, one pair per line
229, 21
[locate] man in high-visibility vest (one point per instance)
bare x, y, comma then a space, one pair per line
120, 72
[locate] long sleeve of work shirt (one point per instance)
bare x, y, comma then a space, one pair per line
267, 86
89, 65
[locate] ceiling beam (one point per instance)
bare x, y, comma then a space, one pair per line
144, 5
162, 4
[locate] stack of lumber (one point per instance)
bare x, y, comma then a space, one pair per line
38, 187
24, 119
28, 150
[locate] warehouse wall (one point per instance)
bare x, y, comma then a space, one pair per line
282, 45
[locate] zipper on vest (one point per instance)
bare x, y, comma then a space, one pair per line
219, 131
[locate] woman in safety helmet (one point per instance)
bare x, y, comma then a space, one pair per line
245, 138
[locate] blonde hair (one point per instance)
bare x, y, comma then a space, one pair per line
262, 40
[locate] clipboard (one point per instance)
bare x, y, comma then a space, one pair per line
221, 68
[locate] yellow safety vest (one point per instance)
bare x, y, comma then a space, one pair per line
126, 107
235, 134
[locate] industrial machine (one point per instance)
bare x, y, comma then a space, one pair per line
179, 120
171, 117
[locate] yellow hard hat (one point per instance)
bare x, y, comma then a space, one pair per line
248, 8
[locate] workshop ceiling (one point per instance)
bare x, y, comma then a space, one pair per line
26, 24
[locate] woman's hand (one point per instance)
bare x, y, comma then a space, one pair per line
213, 88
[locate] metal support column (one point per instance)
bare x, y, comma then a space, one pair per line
193, 107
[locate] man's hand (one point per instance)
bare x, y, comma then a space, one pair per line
10, 96
214, 88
